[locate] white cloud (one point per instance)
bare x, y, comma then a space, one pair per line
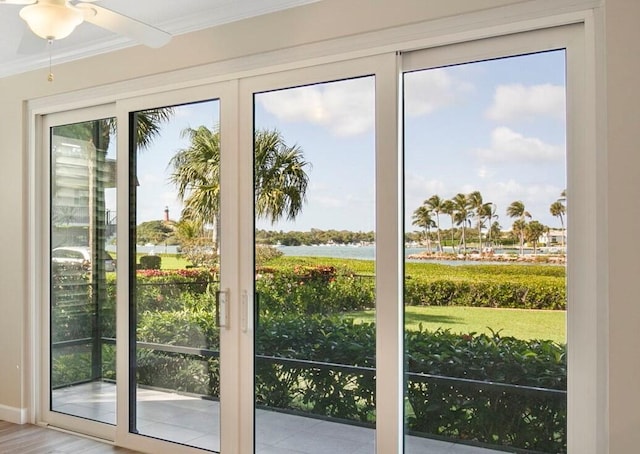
517, 101
427, 91
345, 108
416, 184
536, 197
327, 202
510, 146
417, 189
485, 172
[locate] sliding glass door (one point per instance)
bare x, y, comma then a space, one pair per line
80, 369
485, 254
174, 262
358, 257
314, 179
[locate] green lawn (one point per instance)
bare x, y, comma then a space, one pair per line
520, 323
173, 262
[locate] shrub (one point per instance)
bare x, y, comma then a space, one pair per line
179, 371
536, 292
164, 290
265, 254
312, 290
442, 400
487, 410
310, 360
150, 262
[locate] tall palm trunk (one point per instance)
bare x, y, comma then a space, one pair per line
438, 227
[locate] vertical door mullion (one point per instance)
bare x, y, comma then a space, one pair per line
389, 261
229, 269
246, 267
122, 275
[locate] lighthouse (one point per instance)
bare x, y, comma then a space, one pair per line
166, 214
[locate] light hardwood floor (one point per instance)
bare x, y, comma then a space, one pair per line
29, 439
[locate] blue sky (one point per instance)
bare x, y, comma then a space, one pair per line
496, 126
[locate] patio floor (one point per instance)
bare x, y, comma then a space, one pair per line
195, 422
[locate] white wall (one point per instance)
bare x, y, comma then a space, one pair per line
619, 106
622, 195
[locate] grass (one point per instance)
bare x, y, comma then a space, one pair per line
520, 323
431, 270
172, 262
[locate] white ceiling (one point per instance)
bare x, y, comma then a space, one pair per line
174, 16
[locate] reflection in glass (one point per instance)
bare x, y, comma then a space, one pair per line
175, 371
485, 293
83, 231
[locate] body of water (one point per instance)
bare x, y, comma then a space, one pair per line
368, 253
365, 253
333, 251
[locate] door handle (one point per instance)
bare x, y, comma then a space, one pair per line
222, 308
246, 312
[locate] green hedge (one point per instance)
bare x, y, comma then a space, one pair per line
455, 385
298, 323
150, 262
525, 418
326, 290
312, 290
308, 289
536, 292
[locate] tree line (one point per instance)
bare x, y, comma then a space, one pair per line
313, 237
471, 213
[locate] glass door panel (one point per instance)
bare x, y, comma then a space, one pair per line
82, 270
485, 234
174, 258
314, 171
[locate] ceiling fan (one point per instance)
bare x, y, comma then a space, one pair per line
56, 19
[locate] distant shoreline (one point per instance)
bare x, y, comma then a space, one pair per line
492, 257
419, 254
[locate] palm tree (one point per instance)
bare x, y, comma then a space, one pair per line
558, 210
196, 174
280, 176
533, 231
461, 215
517, 210
422, 218
436, 205
519, 229
490, 213
146, 126
480, 208
563, 196
449, 208
494, 232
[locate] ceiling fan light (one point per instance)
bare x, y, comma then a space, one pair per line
51, 19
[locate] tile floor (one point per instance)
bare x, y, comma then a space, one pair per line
193, 421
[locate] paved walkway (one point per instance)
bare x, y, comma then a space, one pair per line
195, 422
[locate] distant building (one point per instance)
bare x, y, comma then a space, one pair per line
553, 237
79, 180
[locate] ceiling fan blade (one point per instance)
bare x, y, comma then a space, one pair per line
31, 44
124, 25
